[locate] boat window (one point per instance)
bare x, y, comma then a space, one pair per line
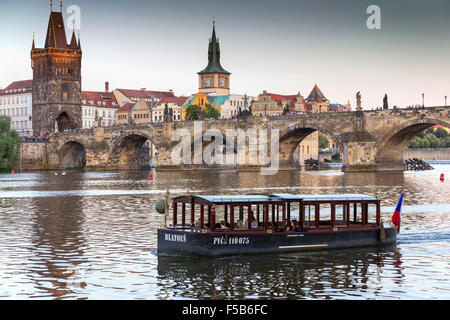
294, 211
340, 217
371, 213
356, 213
310, 216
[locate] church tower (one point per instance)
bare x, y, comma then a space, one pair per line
214, 78
56, 80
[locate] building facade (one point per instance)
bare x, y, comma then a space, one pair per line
134, 113
317, 100
214, 78
271, 104
174, 104
98, 108
56, 80
16, 103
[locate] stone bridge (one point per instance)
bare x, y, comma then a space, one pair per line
368, 140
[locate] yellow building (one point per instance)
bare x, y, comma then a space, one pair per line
202, 99
134, 113
308, 148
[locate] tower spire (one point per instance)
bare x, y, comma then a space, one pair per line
51, 5
79, 40
60, 5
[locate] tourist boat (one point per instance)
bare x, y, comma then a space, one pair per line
258, 223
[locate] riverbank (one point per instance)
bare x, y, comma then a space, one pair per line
427, 154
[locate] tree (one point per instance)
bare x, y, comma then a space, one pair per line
211, 112
323, 142
430, 139
9, 145
193, 112
440, 133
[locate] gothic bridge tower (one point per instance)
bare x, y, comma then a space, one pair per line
56, 80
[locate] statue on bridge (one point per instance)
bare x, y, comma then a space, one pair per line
385, 102
247, 112
168, 114
358, 101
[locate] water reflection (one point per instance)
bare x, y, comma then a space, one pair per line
324, 275
58, 242
92, 234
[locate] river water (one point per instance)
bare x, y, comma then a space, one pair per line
92, 235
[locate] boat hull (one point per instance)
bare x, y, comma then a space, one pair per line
187, 242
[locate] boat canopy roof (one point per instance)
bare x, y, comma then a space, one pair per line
272, 198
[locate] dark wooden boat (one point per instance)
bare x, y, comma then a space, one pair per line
272, 223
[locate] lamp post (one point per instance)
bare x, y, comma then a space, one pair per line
423, 100
446, 100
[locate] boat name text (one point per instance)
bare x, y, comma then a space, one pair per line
175, 237
231, 240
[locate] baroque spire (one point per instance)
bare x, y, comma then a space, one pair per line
214, 55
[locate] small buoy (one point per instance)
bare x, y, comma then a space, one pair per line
56, 173
13, 172
442, 177
63, 173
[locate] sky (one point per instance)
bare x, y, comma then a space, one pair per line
280, 46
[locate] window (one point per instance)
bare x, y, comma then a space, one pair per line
222, 83
207, 83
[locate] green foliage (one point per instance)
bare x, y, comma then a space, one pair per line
9, 145
323, 142
195, 112
438, 138
211, 112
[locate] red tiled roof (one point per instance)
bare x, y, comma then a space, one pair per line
23, 84
279, 98
97, 96
179, 101
145, 94
18, 87
126, 107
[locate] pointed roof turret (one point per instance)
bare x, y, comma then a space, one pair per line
214, 55
56, 34
79, 41
73, 42
316, 95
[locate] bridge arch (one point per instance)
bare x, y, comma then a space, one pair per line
394, 142
72, 154
65, 121
130, 151
292, 136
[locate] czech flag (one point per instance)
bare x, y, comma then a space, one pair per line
396, 216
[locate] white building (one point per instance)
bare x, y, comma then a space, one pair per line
16, 103
100, 104
174, 103
231, 105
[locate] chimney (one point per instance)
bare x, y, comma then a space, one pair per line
171, 92
106, 86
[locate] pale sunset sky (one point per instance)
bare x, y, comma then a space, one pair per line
279, 46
